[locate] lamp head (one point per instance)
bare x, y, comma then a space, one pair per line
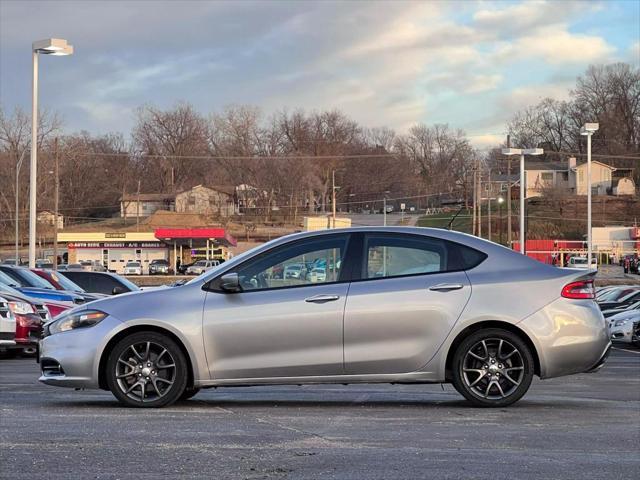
512, 151
53, 46
589, 128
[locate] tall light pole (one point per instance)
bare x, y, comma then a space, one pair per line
523, 184
18, 166
588, 129
49, 46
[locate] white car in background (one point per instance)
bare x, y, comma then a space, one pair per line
625, 327
133, 268
581, 262
7, 324
202, 266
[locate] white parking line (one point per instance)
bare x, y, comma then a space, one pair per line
625, 350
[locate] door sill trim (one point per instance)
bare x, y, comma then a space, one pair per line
413, 377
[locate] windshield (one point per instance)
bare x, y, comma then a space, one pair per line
66, 283
579, 261
30, 279
200, 263
132, 286
133, 264
159, 262
7, 280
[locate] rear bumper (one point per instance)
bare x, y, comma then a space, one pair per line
570, 336
600, 363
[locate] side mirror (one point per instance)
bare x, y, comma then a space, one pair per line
230, 282
117, 290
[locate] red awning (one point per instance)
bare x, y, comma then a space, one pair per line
217, 234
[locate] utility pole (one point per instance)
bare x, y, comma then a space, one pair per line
508, 194
138, 209
56, 204
474, 229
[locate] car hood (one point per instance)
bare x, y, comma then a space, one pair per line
626, 315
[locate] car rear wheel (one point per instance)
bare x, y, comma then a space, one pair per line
492, 368
147, 369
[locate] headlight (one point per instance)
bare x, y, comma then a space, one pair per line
620, 323
82, 319
21, 308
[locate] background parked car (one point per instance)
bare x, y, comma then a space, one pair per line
624, 327
202, 266
159, 267
27, 282
60, 282
44, 263
101, 282
623, 300
7, 325
30, 315
133, 268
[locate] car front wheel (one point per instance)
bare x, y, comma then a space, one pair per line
147, 369
492, 368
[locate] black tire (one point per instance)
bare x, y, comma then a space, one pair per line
189, 393
169, 382
498, 378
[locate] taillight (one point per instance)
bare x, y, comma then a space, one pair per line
582, 289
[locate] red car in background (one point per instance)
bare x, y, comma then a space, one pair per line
31, 315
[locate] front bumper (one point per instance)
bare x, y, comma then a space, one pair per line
72, 358
623, 333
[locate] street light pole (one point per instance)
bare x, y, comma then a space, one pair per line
588, 129
18, 166
49, 46
523, 185
55, 218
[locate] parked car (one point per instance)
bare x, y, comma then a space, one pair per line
44, 263
625, 327
60, 282
30, 315
11, 261
627, 308
30, 284
159, 267
182, 268
7, 325
105, 283
133, 268
294, 271
620, 302
581, 263
75, 266
202, 266
480, 316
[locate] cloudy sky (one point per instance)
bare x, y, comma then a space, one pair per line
470, 64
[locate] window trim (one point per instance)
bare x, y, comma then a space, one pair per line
345, 272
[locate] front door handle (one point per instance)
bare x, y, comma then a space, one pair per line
445, 287
322, 298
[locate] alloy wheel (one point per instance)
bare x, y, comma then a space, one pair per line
145, 372
493, 369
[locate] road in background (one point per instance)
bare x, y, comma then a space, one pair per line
579, 427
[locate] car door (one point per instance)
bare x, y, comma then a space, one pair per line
278, 326
407, 299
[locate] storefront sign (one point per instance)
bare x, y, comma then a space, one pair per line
116, 245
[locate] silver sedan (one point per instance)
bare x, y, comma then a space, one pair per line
395, 305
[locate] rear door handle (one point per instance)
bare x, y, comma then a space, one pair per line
445, 287
322, 298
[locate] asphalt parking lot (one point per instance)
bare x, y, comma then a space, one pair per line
584, 426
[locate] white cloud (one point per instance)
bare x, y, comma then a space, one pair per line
556, 45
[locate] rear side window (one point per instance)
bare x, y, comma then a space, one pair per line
468, 257
104, 284
388, 255
400, 255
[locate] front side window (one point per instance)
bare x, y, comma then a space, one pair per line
394, 256
308, 262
